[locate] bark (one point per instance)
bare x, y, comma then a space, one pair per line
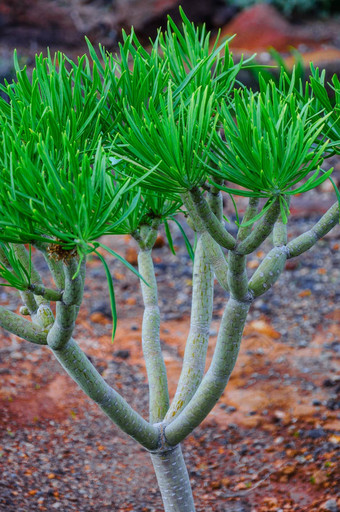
197, 342
155, 367
173, 480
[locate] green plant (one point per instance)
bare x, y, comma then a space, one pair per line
117, 148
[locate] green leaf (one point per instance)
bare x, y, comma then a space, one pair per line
122, 260
169, 237
111, 293
186, 240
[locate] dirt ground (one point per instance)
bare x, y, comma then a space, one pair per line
272, 441
270, 444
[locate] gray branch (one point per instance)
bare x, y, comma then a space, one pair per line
158, 385
261, 230
216, 378
197, 342
21, 327
305, 241
210, 221
82, 371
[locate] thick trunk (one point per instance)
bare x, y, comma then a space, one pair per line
173, 480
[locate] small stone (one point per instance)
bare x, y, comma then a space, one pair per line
330, 506
123, 354
316, 402
217, 484
316, 433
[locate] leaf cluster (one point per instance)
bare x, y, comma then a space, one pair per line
269, 144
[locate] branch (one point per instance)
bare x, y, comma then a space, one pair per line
212, 249
155, 367
237, 276
215, 201
197, 342
216, 378
217, 259
82, 371
67, 310
261, 231
21, 327
38, 306
269, 271
305, 241
249, 214
210, 221
46, 293
56, 267
280, 237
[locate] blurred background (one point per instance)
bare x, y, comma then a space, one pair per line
309, 26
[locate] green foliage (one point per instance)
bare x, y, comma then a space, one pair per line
271, 145
330, 107
109, 143
280, 70
12, 269
172, 143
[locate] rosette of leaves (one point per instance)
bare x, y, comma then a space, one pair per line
329, 100
194, 61
182, 60
271, 146
54, 172
166, 146
129, 78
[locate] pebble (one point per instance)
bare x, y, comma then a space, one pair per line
316, 433
123, 354
330, 506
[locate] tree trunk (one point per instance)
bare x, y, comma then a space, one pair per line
173, 480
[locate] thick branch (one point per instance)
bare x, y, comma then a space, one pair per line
210, 221
212, 249
82, 371
305, 241
158, 385
173, 480
249, 214
217, 259
73, 291
269, 271
197, 342
67, 310
237, 276
216, 378
261, 231
21, 327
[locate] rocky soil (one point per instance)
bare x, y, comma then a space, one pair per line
271, 443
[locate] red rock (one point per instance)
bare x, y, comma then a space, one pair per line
261, 27
131, 255
159, 242
262, 327
99, 318
45, 21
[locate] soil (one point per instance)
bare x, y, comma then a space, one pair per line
272, 441
270, 444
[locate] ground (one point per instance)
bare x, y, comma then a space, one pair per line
271, 443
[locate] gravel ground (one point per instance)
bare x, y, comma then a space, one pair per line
58, 452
